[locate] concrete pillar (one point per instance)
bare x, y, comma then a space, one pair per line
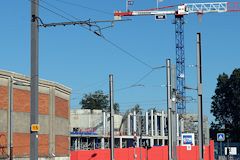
104, 123
181, 126
146, 122
163, 142
158, 142
8, 117
79, 143
137, 145
94, 144
162, 124
151, 141
134, 122
75, 144
162, 127
120, 142
129, 125
102, 143
156, 124
89, 119
177, 129
52, 121
151, 122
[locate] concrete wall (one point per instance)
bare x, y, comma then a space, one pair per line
92, 121
54, 111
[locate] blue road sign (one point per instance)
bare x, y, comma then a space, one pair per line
220, 137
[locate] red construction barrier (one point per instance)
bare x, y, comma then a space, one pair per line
154, 153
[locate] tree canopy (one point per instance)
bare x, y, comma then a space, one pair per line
137, 108
98, 100
225, 106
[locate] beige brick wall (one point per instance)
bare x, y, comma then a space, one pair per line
62, 145
3, 144
4, 97
22, 101
61, 107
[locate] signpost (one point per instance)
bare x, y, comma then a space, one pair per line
220, 138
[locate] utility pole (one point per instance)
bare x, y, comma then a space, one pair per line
174, 112
169, 106
34, 81
141, 133
111, 115
199, 89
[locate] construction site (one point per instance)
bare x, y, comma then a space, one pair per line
40, 119
90, 129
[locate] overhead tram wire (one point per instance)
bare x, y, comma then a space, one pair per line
136, 84
94, 31
85, 7
60, 15
86, 22
127, 53
104, 38
64, 17
107, 40
51, 5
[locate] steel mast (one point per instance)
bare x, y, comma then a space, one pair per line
179, 11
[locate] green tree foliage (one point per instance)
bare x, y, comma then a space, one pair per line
98, 100
116, 108
154, 110
138, 109
226, 105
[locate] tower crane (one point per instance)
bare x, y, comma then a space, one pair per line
179, 11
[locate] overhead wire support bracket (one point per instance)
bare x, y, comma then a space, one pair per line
87, 22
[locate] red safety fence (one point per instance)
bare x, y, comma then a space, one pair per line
154, 153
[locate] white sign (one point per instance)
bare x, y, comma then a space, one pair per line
220, 137
188, 139
160, 17
189, 147
232, 150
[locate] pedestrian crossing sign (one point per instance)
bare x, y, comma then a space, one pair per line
220, 137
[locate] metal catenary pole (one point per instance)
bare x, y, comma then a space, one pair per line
34, 79
111, 115
174, 113
169, 106
199, 89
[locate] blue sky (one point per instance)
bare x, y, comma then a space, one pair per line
83, 61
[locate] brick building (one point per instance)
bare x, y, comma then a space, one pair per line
54, 111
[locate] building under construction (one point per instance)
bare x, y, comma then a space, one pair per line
90, 129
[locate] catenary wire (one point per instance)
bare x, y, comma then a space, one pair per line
126, 52
85, 7
66, 13
136, 83
104, 38
62, 16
